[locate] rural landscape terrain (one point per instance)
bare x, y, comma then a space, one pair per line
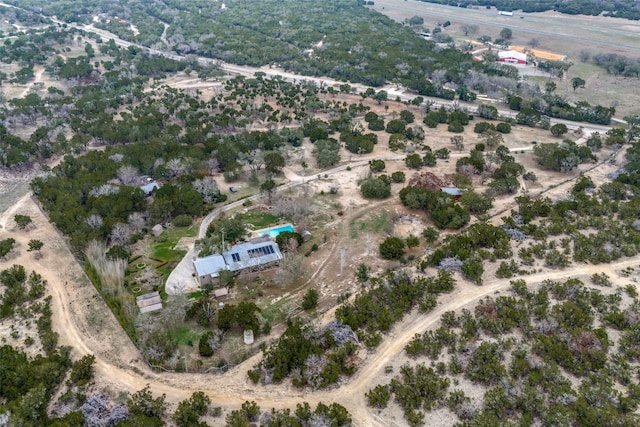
298, 213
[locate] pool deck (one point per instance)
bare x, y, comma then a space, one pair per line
256, 233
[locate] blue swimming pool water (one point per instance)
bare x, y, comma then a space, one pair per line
273, 232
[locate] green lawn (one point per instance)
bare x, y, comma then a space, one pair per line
260, 219
187, 335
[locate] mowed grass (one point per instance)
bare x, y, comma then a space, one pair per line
163, 248
260, 219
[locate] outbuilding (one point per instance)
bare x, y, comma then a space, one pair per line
454, 192
512, 57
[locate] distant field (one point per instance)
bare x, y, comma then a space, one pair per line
562, 34
568, 34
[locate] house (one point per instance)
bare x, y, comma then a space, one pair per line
512, 57
149, 187
208, 268
255, 254
454, 192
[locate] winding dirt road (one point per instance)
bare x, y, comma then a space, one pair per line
85, 323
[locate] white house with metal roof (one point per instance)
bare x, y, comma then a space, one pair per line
208, 268
255, 254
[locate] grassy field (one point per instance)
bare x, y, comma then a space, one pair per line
557, 33
372, 222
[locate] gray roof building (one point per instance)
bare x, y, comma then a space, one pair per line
148, 188
207, 268
252, 254
255, 254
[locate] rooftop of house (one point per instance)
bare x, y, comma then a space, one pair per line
148, 188
209, 265
252, 254
243, 255
454, 191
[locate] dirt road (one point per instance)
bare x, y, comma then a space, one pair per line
85, 323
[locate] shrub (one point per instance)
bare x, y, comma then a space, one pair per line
376, 165
412, 241
482, 127
398, 177
378, 397
503, 128
430, 234
310, 299
204, 348
392, 248
455, 127
22, 221
376, 188
183, 220
414, 161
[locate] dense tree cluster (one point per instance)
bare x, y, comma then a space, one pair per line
309, 356
303, 416
441, 207
334, 40
377, 309
564, 324
563, 157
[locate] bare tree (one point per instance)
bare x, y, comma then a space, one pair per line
177, 167
207, 187
468, 29
458, 142
213, 165
291, 269
128, 175
120, 234
533, 43
136, 221
467, 170
215, 340
584, 55
94, 221
104, 190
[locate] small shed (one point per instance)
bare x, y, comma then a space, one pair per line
149, 302
221, 293
157, 230
454, 192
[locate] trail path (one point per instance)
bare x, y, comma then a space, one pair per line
118, 364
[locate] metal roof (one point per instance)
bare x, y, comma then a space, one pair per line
251, 254
454, 191
209, 265
148, 188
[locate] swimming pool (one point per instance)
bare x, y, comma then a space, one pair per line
273, 232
